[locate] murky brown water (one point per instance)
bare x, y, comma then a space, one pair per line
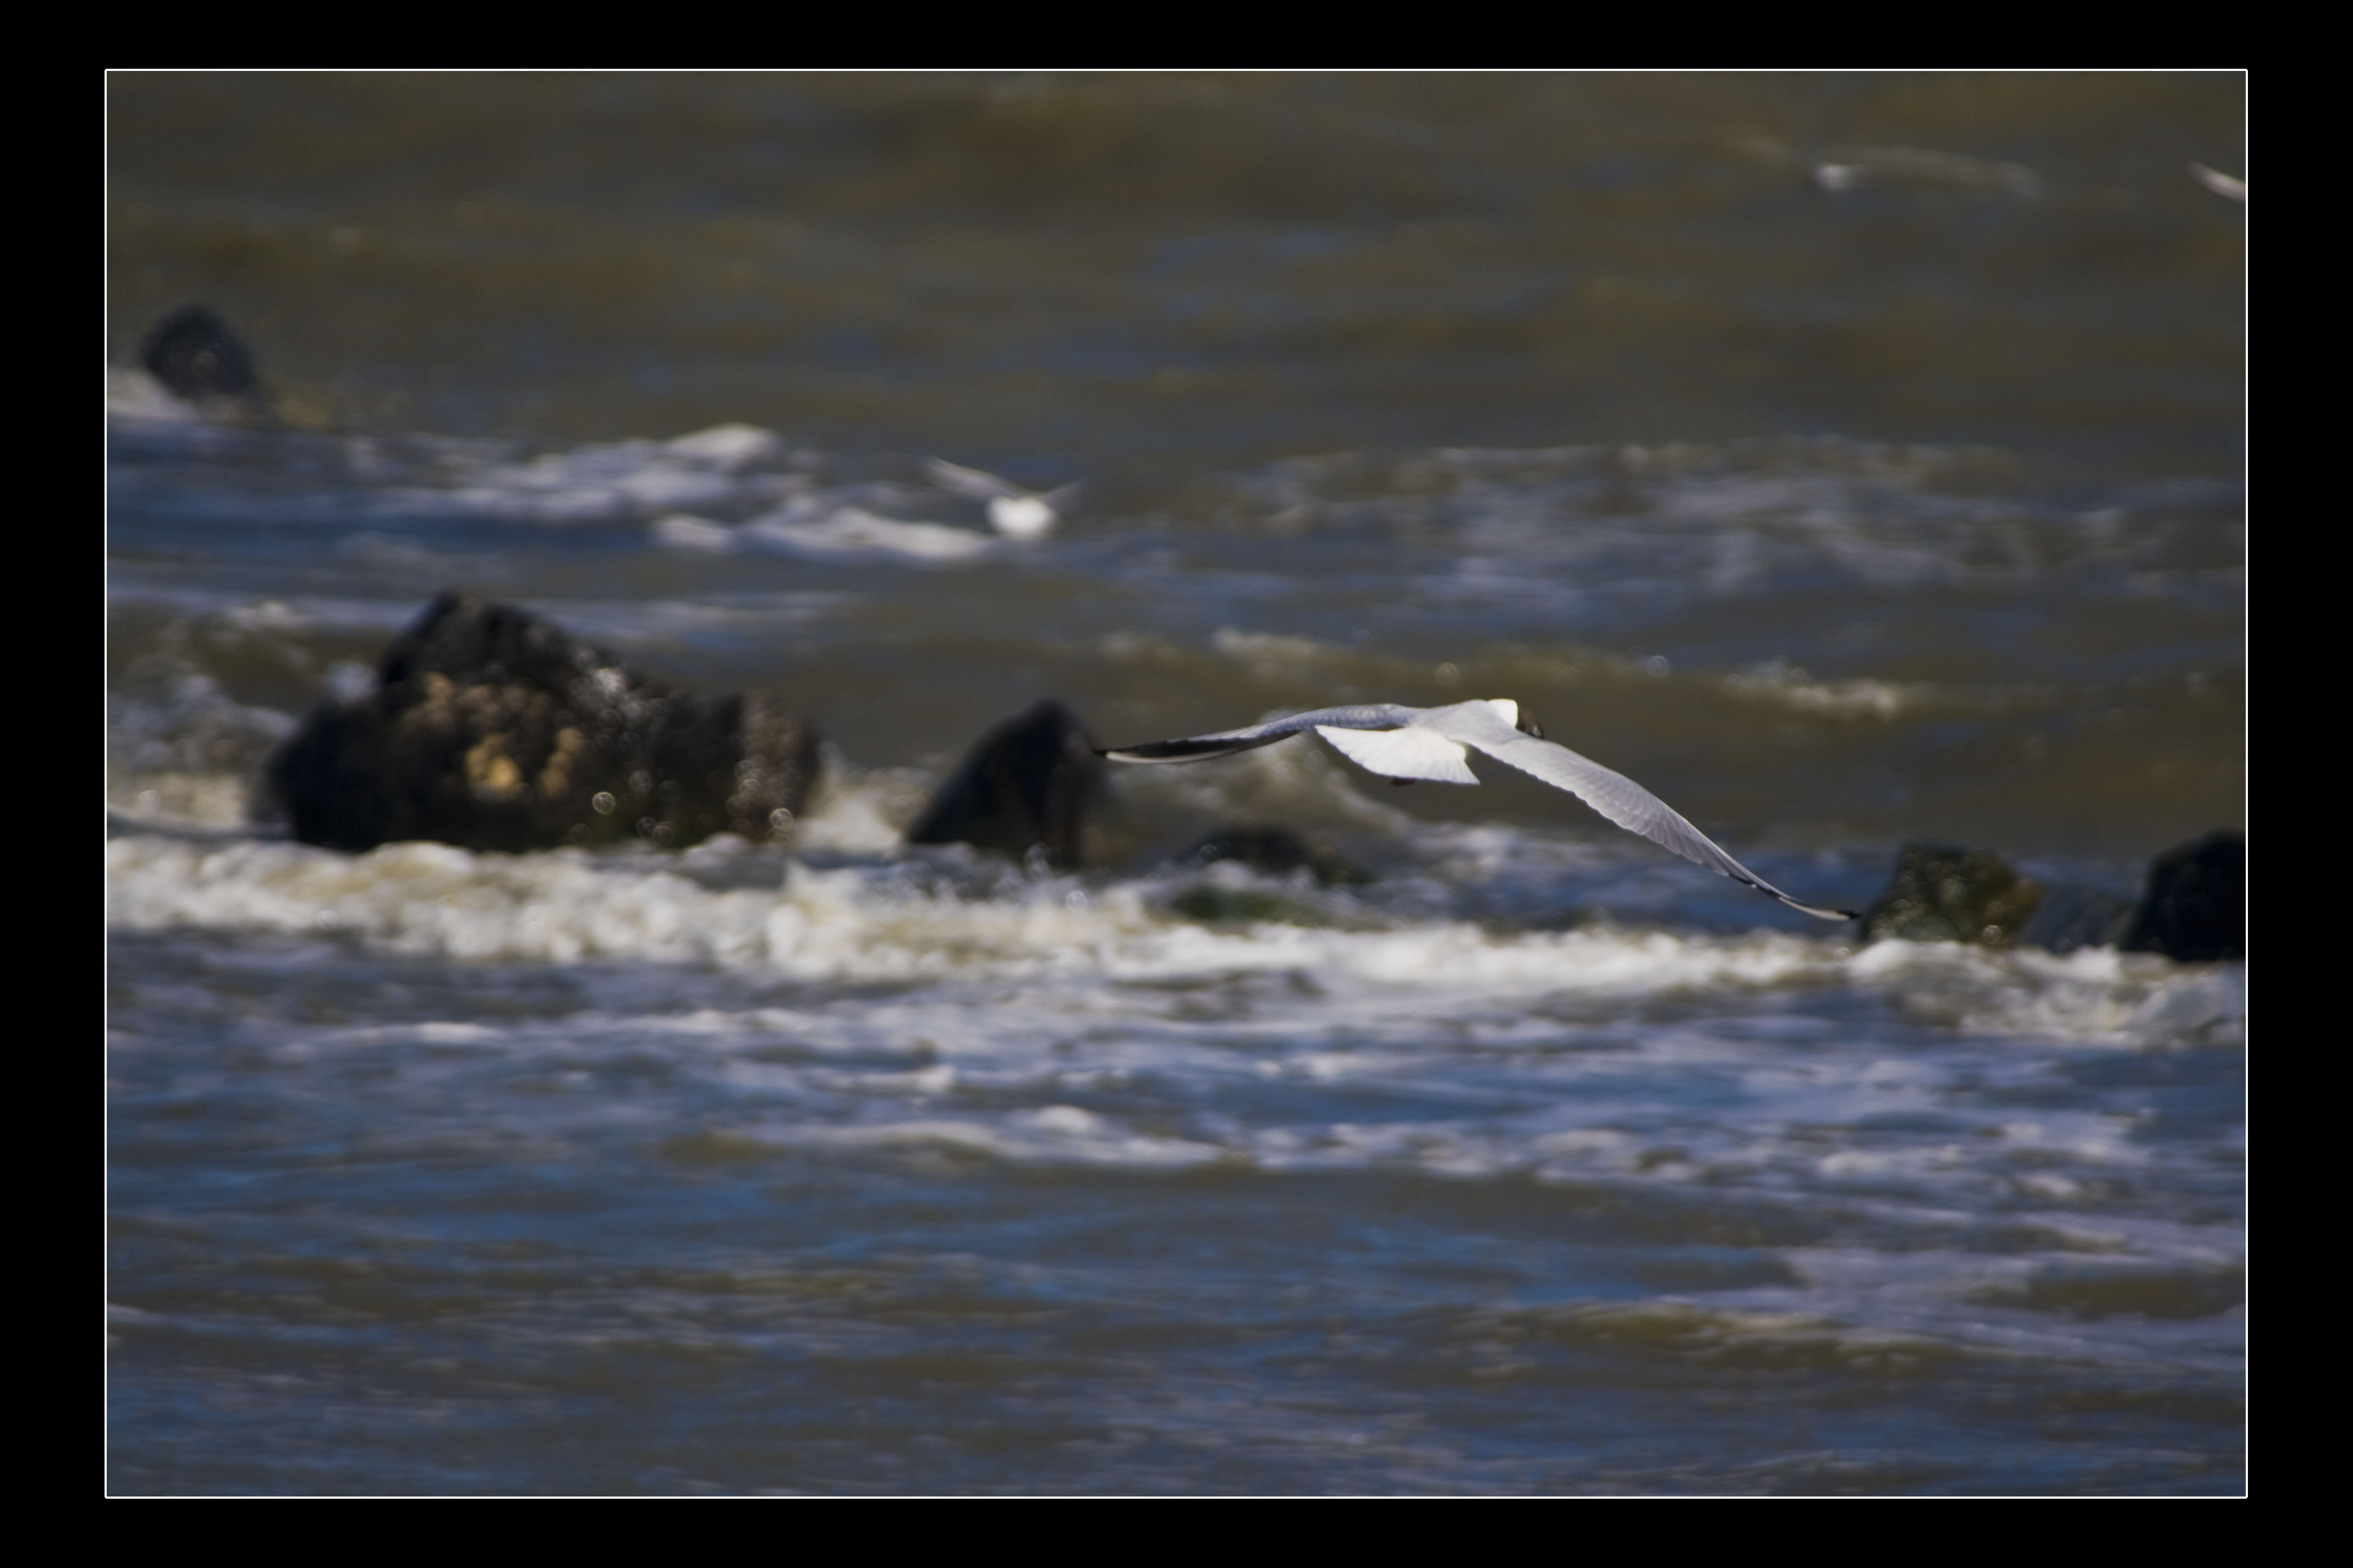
1850, 459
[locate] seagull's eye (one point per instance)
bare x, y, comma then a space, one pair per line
1528, 725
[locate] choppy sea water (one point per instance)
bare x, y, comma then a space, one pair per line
1538, 1161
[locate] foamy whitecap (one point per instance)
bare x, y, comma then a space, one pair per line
869, 922
620, 478
1779, 682
681, 531
1269, 655
133, 393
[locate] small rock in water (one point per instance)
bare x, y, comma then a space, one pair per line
490, 728
1221, 906
1952, 892
1029, 785
193, 352
1276, 850
2196, 906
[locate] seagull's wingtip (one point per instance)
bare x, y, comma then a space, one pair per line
977, 483
1805, 908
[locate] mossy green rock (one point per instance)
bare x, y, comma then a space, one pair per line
1952, 892
492, 728
1217, 906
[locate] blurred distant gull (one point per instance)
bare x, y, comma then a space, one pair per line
1430, 743
1013, 511
2221, 183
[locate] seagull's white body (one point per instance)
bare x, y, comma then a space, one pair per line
1013, 511
1435, 744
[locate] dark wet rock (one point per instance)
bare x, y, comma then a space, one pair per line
2196, 906
193, 352
2071, 917
1029, 785
1952, 892
490, 728
1274, 849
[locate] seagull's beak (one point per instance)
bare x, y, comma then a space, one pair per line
1528, 726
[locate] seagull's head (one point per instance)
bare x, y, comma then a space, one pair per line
1518, 718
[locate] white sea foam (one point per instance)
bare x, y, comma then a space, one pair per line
871, 922
1779, 682
133, 393
179, 747
1589, 532
680, 532
618, 479
862, 811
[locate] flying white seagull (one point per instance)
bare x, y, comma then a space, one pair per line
2221, 183
1431, 743
1013, 511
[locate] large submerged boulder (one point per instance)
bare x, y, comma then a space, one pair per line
1029, 785
1952, 892
490, 728
2196, 906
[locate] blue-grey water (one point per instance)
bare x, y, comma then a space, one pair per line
1852, 460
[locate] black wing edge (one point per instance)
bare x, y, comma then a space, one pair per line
1183, 750
1805, 908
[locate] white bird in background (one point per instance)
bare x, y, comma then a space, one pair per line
1013, 511
2221, 183
1430, 744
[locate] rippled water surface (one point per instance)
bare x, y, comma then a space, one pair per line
1852, 459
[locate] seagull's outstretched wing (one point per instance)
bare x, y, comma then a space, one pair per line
1198, 748
970, 482
1613, 795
